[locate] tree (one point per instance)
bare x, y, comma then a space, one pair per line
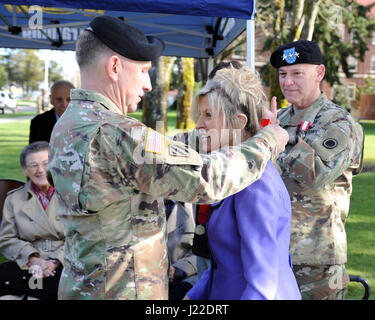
154, 104
55, 71
341, 97
24, 68
185, 96
3, 76
367, 88
320, 21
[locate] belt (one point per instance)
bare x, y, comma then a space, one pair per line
47, 245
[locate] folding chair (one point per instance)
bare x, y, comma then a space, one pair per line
7, 185
354, 278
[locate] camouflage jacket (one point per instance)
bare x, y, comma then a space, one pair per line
317, 168
111, 173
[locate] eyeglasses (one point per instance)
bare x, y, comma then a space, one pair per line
34, 166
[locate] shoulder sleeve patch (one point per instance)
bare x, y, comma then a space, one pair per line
179, 153
331, 143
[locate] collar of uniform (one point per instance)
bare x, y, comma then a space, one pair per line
309, 113
90, 95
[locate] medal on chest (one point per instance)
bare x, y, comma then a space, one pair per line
200, 230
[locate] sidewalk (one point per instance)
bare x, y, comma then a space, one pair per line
6, 120
20, 109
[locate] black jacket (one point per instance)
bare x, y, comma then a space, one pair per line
41, 126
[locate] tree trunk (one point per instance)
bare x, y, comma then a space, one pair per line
311, 24
154, 105
276, 42
185, 99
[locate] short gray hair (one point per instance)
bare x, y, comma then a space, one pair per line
59, 83
32, 148
234, 91
89, 48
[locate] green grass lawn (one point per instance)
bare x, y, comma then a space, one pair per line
360, 224
14, 136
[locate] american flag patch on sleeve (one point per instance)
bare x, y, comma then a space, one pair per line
154, 142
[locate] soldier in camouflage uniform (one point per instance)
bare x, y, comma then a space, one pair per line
111, 171
324, 152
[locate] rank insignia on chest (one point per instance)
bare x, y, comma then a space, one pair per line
304, 126
154, 142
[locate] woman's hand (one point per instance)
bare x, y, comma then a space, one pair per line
272, 112
51, 266
36, 266
41, 268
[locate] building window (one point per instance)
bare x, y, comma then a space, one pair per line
353, 63
351, 91
351, 36
341, 28
373, 64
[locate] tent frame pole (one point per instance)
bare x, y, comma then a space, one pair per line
250, 44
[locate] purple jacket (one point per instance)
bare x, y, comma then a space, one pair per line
249, 236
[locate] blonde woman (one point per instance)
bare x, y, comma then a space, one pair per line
248, 232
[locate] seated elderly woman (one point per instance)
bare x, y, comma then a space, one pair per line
249, 232
31, 235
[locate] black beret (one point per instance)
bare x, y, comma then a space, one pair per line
301, 51
125, 39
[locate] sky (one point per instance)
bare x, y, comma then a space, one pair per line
64, 58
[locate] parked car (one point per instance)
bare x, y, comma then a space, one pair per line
6, 102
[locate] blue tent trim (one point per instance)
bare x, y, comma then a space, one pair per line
241, 9
194, 28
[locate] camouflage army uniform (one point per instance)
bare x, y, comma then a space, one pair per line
317, 168
111, 186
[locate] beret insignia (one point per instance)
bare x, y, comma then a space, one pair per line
290, 55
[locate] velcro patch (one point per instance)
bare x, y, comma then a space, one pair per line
178, 150
330, 144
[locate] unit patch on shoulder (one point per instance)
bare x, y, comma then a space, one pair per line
330, 143
178, 150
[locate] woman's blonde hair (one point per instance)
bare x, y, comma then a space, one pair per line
234, 91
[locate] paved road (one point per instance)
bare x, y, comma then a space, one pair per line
20, 109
